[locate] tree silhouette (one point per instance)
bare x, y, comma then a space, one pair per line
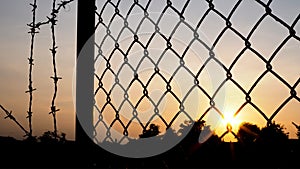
193, 135
200, 142
152, 131
273, 133
248, 132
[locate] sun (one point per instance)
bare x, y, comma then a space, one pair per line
230, 121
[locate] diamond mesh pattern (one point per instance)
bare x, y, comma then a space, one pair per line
131, 19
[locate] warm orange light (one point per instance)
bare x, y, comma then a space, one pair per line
231, 121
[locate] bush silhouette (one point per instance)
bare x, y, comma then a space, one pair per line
193, 135
152, 131
51, 137
273, 133
248, 132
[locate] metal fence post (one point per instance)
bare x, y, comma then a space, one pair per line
85, 30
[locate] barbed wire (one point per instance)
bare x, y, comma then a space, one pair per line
53, 21
34, 27
55, 77
114, 13
33, 30
10, 116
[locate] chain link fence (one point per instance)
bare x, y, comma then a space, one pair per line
146, 49
158, 66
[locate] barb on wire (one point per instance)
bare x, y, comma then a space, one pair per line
63, 4
10, 116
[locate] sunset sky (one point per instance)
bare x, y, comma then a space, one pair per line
268, 95
15, 45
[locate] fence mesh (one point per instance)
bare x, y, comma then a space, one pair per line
115, 21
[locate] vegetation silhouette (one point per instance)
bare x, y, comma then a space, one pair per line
248, 133
273, 133
52, 137
152, 131
201, 147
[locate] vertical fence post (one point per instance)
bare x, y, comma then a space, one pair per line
85, 70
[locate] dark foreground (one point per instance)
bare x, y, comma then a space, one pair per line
22, 154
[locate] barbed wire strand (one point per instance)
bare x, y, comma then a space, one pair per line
54, 77
33, 32
34, 27
10, 116
53, 21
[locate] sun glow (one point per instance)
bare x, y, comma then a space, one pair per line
231, 121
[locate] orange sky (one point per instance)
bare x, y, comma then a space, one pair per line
268, 95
